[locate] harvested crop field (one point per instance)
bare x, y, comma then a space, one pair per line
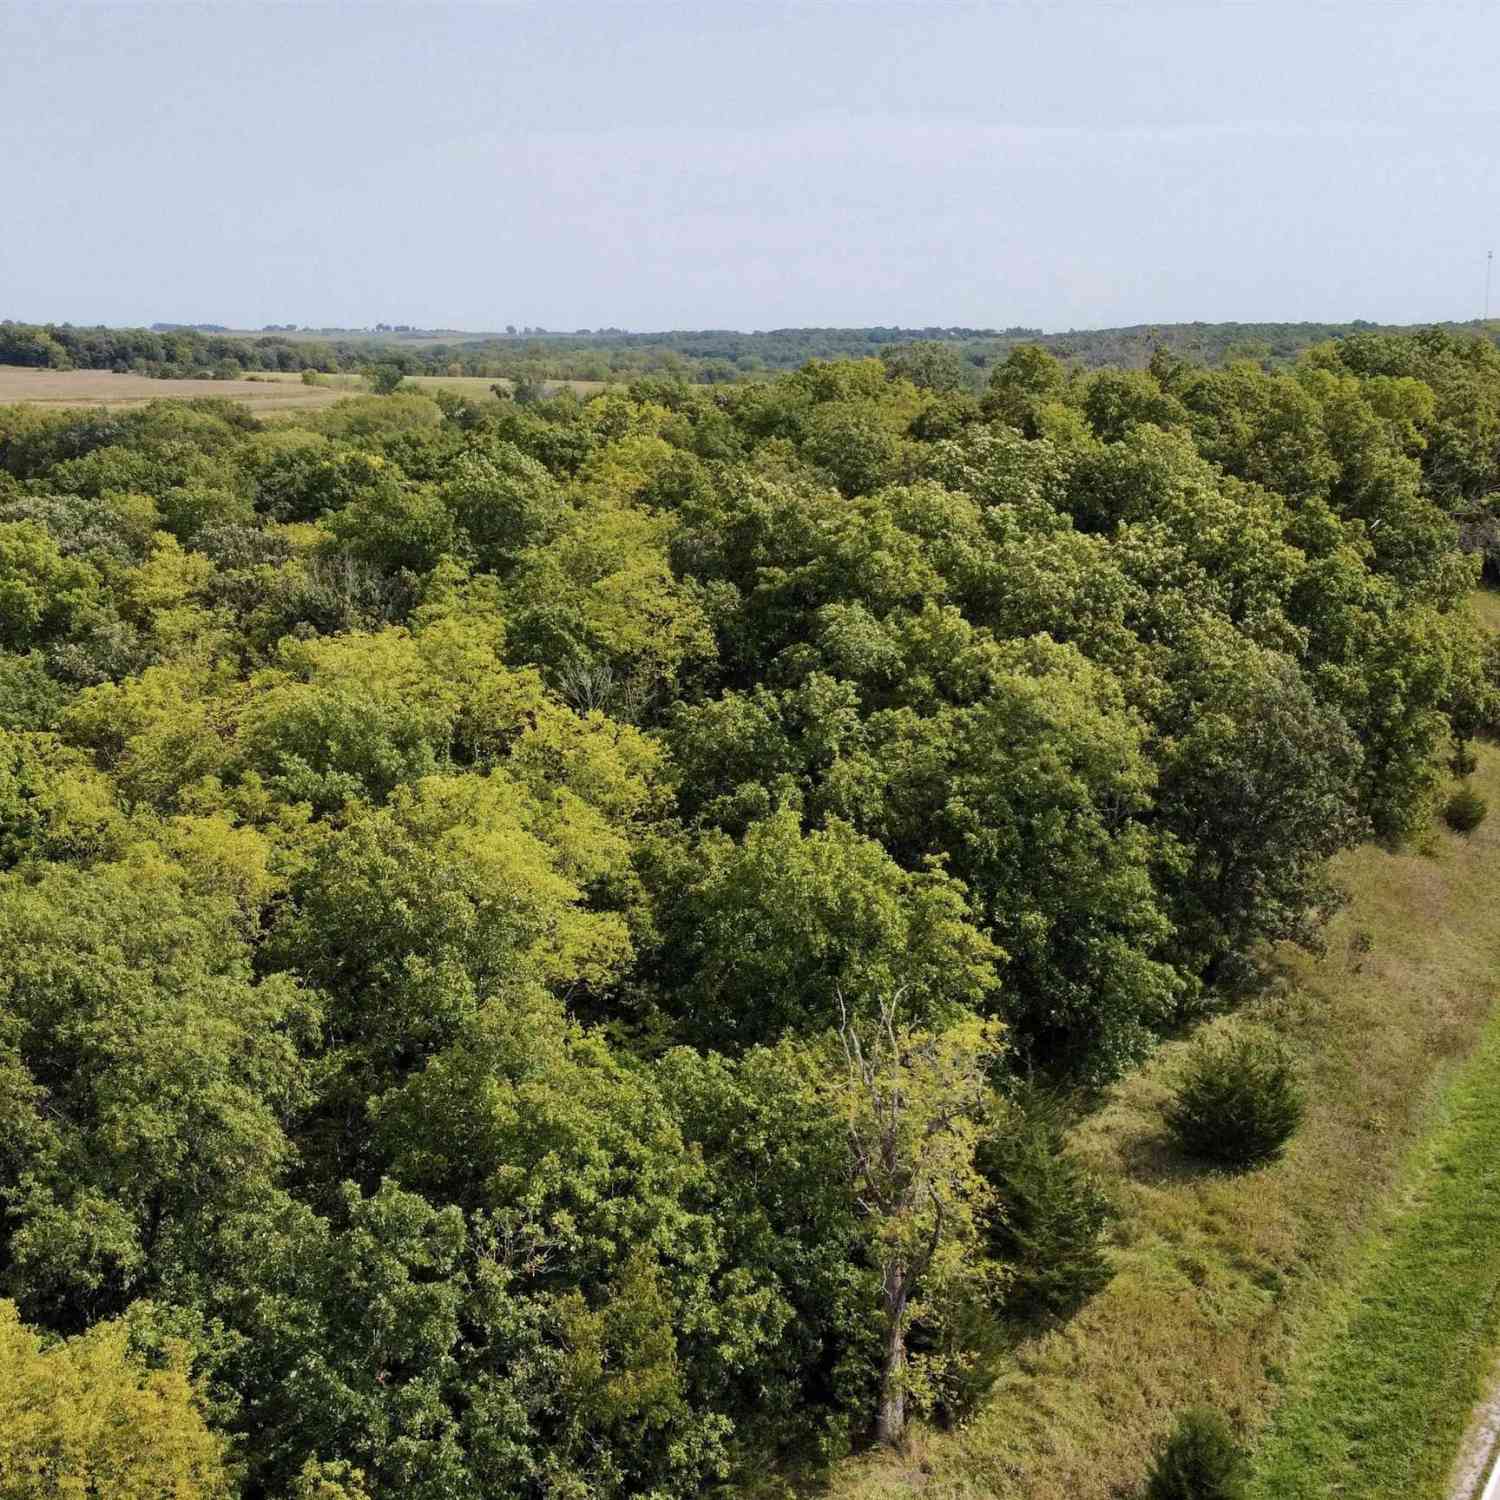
269, 393
63, 388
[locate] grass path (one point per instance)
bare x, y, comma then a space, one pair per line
1381, 1406
1225, 1283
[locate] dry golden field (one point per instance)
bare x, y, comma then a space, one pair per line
63, 388
269, 393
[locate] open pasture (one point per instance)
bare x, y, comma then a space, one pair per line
71, 388
267, 392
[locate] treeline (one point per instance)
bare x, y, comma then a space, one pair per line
170, 353
710, 357
175, 351
542, 946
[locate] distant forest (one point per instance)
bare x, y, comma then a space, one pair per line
706, 357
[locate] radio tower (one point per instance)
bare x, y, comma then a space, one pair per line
1489, 266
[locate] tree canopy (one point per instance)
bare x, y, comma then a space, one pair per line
531, 931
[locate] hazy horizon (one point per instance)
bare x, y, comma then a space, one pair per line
567, 331
830, 163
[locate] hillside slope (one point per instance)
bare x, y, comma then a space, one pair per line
1221, 1280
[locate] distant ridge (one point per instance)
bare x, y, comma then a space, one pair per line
704, 356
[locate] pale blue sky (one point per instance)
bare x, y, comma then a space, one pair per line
575, 163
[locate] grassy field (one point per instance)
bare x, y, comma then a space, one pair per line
387, 339
1226, 1283
68, 388
1486, 604
270, 392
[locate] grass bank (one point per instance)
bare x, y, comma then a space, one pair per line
1379, 1405
1227, 1284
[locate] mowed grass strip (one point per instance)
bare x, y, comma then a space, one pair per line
1223, 1280
1380, 1409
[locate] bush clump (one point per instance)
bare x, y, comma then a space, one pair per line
1237, 1101
1465, 810
1048, 1230
1465, 760
1198, 1460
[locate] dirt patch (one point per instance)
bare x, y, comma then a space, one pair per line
1480, 1445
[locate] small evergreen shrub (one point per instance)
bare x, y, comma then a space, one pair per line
1198, 1460
1049, 1233
1464, 761
1053, 1219
1465, 811
1237, 1101
958, 1358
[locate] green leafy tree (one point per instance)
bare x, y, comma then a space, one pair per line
148, 1080
912, 1102
385, 379
42, 593
504, 501
1038, 795
1023, 386
927, 364
53, 805
766, 929
1260, 787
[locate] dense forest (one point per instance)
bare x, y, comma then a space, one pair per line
966, 358
546, 947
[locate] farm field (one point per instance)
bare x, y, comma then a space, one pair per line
72, 388
384, 339
1228, 1287
278, 392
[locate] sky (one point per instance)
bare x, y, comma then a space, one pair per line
716, 164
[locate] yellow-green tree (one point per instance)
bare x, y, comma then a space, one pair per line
913, 1102
84, 1418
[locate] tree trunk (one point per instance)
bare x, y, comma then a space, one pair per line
890, 1425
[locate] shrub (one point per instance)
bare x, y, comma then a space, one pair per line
1465, 759
1465, 810
1053, 1218
1199, 1460
965, 1346
1049, 1234
1237, 1101
384, 380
